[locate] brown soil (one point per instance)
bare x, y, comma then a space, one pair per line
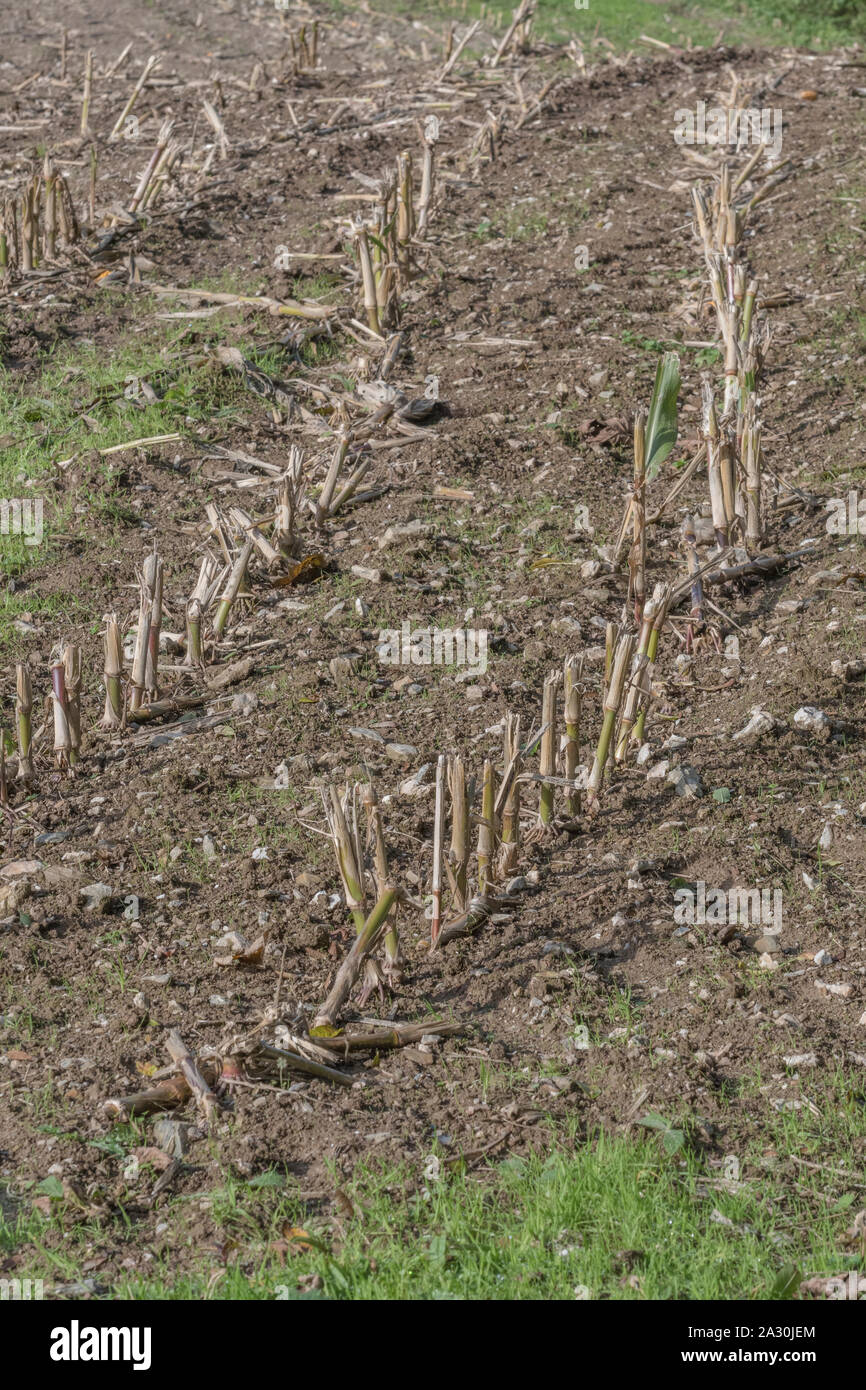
532, 430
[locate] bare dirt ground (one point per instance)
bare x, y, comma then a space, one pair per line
540, 368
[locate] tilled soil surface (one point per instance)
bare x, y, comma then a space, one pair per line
590, 999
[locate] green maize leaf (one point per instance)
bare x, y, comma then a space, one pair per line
661, 430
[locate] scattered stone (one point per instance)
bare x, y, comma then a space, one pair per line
415, 785
367, 736
401, 752
659, 771
768, 962
812, 720
801, 1059
566, 627
173, 1136
59, 875
96, 896
761, 722
20, 868
12, 895
825, 840
409, 530
342, 668
822, 957
845, 670
686, 781
208, 848
843, 991
769, 944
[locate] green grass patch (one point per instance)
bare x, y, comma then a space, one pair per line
806, 23
82, 399
614, 1218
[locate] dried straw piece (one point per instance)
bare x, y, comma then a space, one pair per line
166, 1095
148, 68
510, 812
487, 827
62, 737
612, 701
49, 231
9, 253
290, 497
405, 216
88, 89
610, 639
113, 672
751, 454
573, 685
138, 676
425, 200
521, 17
152, 579
72, 673
29, 226
323, 503
232, 589
195, 1080
245, 524
325, 1023
638, 555
458, 865
547, 756
714, 468
727, 469
349, 861
163, 138
91, 204
455, 54
67, 220
376, 832
368, 280
438, 836
635, 683
209, 578
23, 713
